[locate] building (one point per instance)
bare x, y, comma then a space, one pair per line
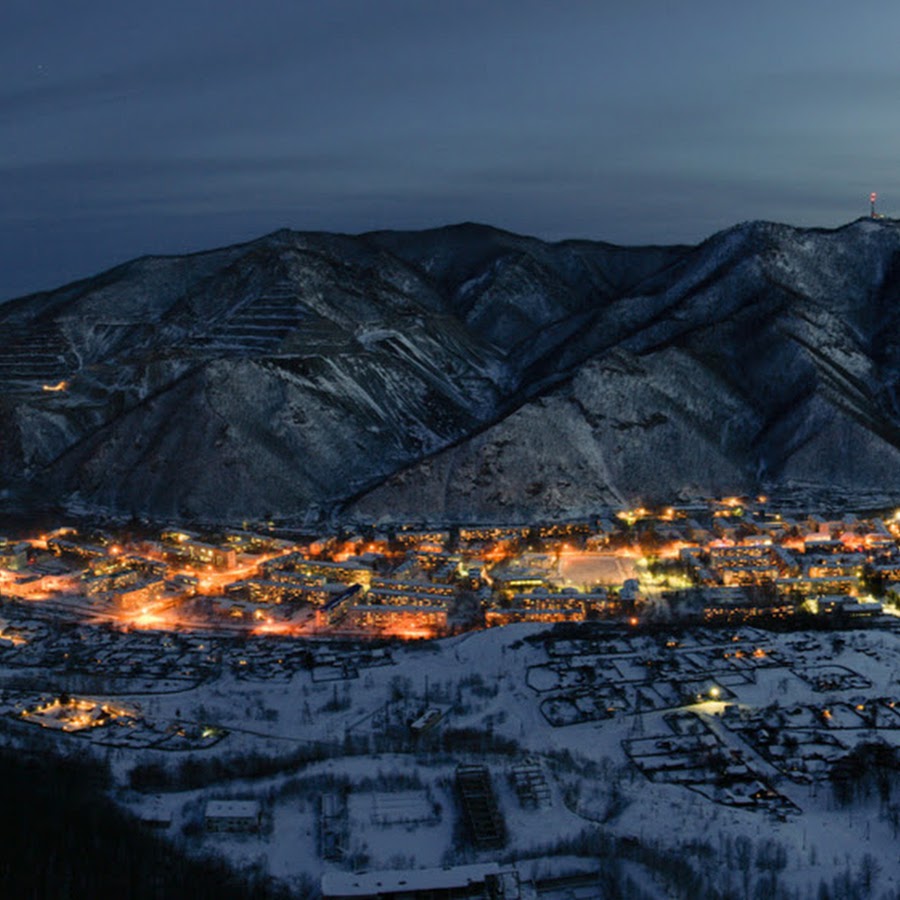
565, 607
62, 547
482, 814
426, 721
155, 815
332, 826
422, 538
847, 607
750, 563
186, 546
530, 785
315, 592
833, 565
110, 565
480, 880
493, 533
398, 618
411, 595
398, 586
138, 595
235, 816
223, 557
579, 529
252, 542
336, 608
110, 582
32, 586
733, 606
512, 579
13, 556
292, 565
818, 587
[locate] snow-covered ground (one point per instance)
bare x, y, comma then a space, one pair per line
662, 774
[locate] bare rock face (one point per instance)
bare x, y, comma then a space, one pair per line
457, 374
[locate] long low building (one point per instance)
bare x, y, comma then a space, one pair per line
232, 815
508, 616
398, 586
542, 606
259, 590
347, 572
479, 880
736, 607
818, 587
410, 596
397, 618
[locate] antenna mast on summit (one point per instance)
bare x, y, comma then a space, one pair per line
872, 198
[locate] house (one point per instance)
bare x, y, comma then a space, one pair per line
155, 816
426, 721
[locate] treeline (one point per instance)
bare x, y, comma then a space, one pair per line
64, 838
870, 770
195, 772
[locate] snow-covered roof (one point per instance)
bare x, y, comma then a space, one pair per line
365, 884
232, 809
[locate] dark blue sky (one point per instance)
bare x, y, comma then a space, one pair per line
176, 125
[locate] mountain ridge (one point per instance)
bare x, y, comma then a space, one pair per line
423, 375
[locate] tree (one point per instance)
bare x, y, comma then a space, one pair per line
743, 854
869, 870
770, 856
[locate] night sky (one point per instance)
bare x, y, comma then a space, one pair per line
172, 125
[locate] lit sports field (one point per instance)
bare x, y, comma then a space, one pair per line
596, 568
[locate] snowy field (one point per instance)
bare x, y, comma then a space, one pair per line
708, 750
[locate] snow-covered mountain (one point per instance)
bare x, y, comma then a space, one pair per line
458, 373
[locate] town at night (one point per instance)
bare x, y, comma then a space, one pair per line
449, 451
310, 700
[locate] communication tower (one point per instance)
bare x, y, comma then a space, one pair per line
872, 198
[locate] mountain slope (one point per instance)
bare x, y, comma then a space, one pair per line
766, 359
457, 373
